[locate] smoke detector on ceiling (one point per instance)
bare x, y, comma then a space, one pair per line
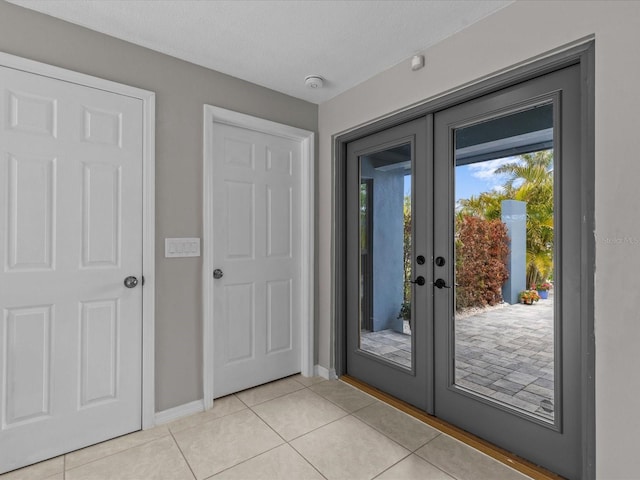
314, 81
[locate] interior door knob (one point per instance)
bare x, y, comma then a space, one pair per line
130, 282
217, 274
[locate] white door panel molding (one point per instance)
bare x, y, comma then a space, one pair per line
258, 224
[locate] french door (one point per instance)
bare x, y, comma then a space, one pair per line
489, 221
508, 170
387, 339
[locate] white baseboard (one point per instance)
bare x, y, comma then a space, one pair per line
326, 373
180, 411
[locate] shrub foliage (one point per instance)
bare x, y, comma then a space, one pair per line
481, 253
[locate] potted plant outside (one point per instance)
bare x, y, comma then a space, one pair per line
405, 315
542, 289
529, 296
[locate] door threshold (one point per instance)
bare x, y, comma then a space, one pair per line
497, 453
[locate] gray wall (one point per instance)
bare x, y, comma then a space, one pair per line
517, 33
181, 90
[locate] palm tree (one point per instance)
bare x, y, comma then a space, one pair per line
486, 205
531, 180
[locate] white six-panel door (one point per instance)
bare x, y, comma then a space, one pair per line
70, 220
257, 208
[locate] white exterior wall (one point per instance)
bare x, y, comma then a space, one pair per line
511, 36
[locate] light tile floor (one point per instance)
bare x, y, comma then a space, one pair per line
296, 428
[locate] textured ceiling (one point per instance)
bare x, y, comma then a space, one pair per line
277, 43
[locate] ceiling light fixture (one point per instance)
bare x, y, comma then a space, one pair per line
314, 81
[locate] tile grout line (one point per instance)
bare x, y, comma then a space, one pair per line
391, 466
285, 442
450, 474
440, 433
307, 460
243, 461
195, 477
296, 450
111, 454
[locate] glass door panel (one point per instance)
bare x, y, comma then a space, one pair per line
385, 254
504, 268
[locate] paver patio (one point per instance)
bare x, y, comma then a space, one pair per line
505, 354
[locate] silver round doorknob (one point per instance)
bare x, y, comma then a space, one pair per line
217, 273
130, 282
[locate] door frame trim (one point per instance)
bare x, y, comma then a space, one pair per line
216, 115
581, 52
148, 99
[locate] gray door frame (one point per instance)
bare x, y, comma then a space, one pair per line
582, 54
367, 261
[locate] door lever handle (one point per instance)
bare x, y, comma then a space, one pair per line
440, 283
419, 281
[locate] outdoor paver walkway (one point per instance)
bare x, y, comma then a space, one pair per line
507, 354
388, 344
502, 353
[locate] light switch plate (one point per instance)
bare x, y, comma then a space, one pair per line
181, 247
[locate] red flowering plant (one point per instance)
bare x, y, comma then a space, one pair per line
545, 286
482, 247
